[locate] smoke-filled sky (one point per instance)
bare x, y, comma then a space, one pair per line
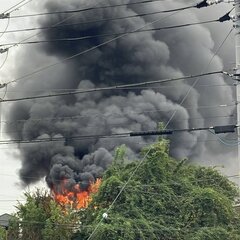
137, 57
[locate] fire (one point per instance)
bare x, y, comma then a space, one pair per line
78, 198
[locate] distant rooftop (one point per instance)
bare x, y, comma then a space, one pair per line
4, 220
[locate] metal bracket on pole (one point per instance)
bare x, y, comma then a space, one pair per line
202, 4
224, 18
3, 85
3, 50
4, 15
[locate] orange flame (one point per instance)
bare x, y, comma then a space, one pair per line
78, 198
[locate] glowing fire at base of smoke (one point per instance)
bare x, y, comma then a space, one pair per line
78, 198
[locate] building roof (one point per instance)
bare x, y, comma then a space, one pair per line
4, 220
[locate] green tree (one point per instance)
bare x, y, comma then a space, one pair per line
165, 199
2, 233
41, 218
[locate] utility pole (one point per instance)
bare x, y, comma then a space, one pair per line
237, 42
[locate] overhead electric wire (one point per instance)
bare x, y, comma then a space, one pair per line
2, 65
115, 125
85, 22
4, 61
62, 138
107, 34
154, 87
64, 20
224, 18
122, 87
39, 70
5, 30
87, 50
226, 142
62, 90
103, 116
83, 52
18, 7
204, 69
102, 136
124, 113
14, 6
103, 7
34, 35
17, 146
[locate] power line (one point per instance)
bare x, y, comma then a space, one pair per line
226, 141
108, 34
104, 116
14, 6
103, 7
18, 7
34, 35
142, 144
122, 87
62, 90
87, 50
112, 125
126, 87
5, 30
217, 129
80, 53
119, 114
85, 22
4, 61
207, 66
57, 139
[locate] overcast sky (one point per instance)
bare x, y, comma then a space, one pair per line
9, 181
10, 188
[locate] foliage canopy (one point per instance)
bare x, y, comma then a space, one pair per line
41, 218
166, 199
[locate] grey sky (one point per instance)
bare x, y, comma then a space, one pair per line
10, 188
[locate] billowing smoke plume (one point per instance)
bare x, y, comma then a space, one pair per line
135, 58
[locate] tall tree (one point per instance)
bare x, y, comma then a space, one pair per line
166, 199
41, 218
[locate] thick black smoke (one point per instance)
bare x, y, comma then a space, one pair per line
134, 58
